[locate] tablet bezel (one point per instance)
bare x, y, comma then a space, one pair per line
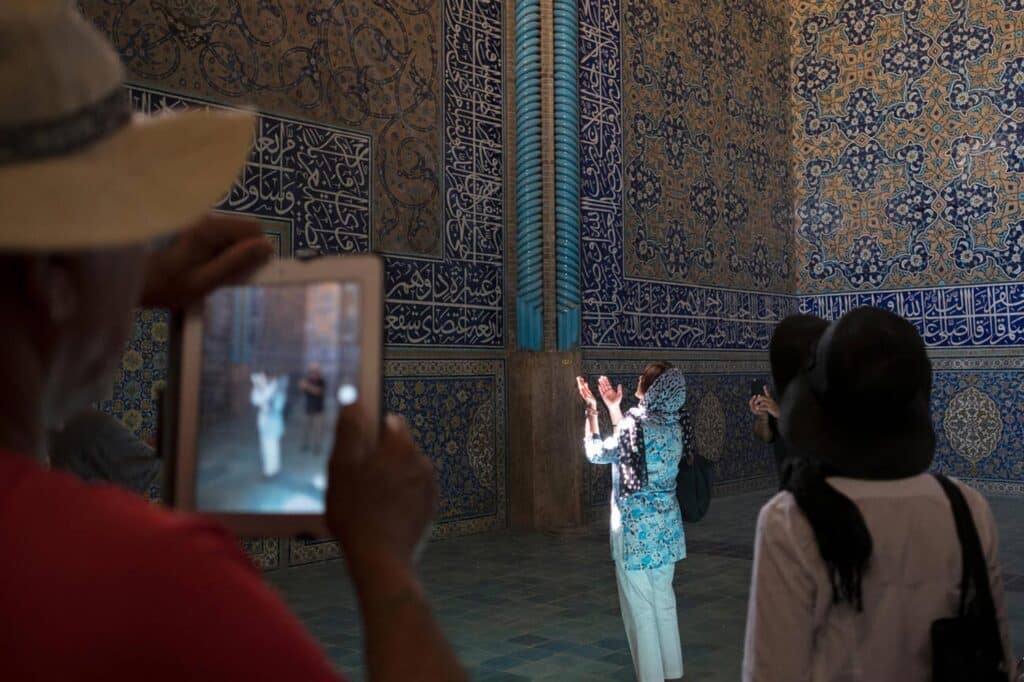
368, 272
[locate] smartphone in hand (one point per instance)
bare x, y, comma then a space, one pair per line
756, 388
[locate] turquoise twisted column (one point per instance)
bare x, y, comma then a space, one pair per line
529, 224
567, 172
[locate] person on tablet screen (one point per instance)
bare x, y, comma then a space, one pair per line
314, 388
270, 395
107, 586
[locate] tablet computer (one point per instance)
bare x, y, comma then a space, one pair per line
263, 372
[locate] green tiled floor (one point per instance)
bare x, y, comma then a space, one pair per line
543, 606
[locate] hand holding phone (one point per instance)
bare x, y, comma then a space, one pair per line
757, 387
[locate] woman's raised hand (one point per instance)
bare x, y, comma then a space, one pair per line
586, 393
611, 396
765, 404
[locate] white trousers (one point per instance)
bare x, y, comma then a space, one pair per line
648, 606
270, 450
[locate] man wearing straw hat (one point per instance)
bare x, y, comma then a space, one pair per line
97, 584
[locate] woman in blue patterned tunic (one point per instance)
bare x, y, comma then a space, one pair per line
646, 523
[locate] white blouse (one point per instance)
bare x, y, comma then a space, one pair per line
795, 633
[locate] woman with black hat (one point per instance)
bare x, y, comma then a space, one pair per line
794, 338
857, 559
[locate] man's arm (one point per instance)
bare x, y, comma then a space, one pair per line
403, 641
380, 501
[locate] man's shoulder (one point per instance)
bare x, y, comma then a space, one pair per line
97, 528
107, 580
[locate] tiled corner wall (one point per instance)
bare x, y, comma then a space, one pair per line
906, 154
909, 158
379, 130
687, 241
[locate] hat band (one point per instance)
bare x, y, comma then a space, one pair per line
61, 136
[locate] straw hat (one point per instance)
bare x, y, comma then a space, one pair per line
79, 170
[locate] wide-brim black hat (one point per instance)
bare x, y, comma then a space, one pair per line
862, 405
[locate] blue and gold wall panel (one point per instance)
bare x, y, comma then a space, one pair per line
686, 173
381, 128
908, 146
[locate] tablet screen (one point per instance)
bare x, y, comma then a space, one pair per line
278, 363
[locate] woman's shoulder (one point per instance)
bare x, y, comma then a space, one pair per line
781, 515
980, 508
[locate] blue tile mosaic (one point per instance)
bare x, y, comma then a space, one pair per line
961, 317
909, 141
976, 407
318, 178
459, 421
315, 177
620, 310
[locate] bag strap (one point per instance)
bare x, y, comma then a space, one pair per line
689, 438
965, 529
975, 591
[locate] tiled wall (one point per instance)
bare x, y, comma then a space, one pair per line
687, 240
380, 129
909, 153
907, 141
685, 166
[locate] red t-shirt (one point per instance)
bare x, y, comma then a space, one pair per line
97, 584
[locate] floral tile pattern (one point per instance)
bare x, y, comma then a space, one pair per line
684, 174
976, 407
908, 142
706, 143
456, 410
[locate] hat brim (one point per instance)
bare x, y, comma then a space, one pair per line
154, 177
861, 451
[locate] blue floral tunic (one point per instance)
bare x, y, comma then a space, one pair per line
647, 526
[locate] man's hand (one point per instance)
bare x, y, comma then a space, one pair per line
219, 251
381, 497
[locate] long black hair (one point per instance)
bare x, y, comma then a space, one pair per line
839, 529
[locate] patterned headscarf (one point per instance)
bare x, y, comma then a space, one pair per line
661, 406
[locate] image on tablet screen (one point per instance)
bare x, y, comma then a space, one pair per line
278, 363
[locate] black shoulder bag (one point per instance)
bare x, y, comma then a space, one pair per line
968, 647
694, 482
